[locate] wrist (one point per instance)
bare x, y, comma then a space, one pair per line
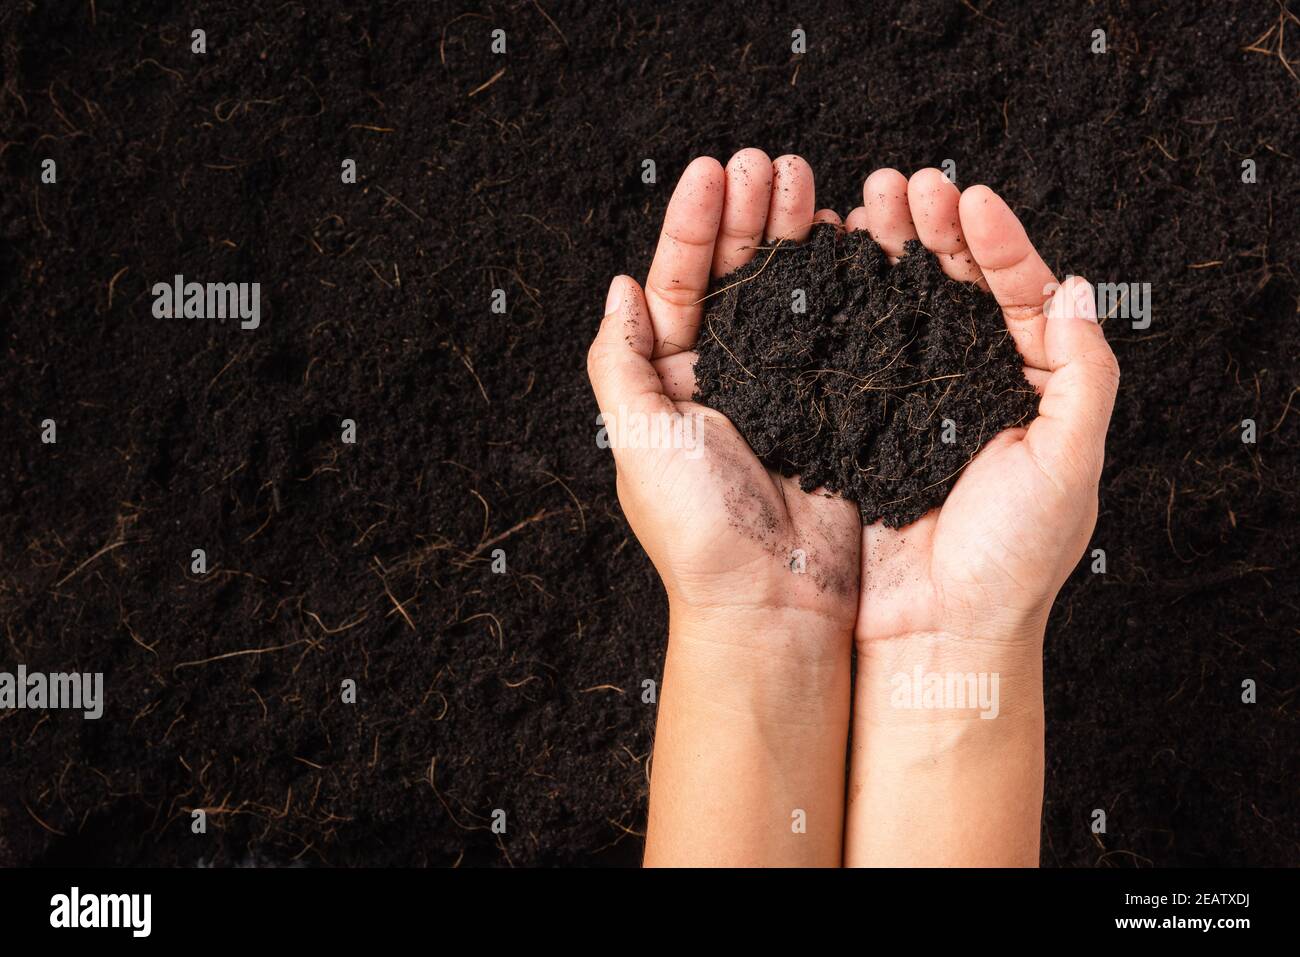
947, 744
934, 683
751, 735
776, 632
787, 666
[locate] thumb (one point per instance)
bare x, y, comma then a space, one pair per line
1068, 438
618, 362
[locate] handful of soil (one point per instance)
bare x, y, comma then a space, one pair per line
878, 382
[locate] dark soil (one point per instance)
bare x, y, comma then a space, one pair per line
522, 172
878, 382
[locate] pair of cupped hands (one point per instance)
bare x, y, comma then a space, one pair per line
970, 584
1016, 522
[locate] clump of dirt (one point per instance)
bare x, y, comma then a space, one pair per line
878, 382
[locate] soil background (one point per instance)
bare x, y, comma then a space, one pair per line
475, 430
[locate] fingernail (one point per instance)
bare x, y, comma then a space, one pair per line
615, 294
1085, 306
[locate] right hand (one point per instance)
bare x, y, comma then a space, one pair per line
989, 562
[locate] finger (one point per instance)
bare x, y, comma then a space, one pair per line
679, 275
1068, 437
1037, 378
677, 375
933, 200
794, 195
857, 219
744, 210
618, 362
826, 216
888, 218
1016, 274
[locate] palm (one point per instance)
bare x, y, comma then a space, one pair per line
734, 518
996, 530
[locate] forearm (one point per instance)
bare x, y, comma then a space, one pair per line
947, 762
749, 755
